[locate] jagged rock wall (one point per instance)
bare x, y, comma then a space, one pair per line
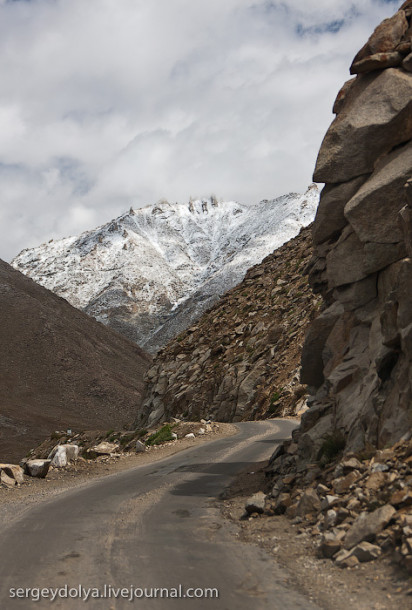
357, 357
241, 359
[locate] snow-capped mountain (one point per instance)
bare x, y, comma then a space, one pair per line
152, 271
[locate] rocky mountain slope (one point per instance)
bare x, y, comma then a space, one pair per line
241, 359
357, 354
59, 368
151, 272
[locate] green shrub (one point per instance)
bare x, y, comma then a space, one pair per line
275, 397
161, 436
274, 408
126, 438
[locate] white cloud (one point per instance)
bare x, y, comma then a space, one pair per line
106, 103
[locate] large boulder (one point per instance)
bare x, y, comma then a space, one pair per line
37, 468
344, 263
308, 503
373, 210
376, 117
378, 61
7, 481
13, 471
367, 525
61, 455
384, 39
330, 218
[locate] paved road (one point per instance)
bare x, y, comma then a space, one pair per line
156, 525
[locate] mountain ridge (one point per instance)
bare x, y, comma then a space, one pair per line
151, 272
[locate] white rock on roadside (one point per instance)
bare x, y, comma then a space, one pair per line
37, 468
190, 435
331, 518
256, 503
13, 471
72, 452
6, 480
58, 457
61, 455
105, 448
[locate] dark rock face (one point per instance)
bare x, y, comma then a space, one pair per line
357, 357
59, 368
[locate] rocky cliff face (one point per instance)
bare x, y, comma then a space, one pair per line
151, 273
357, 357
241, 359
59, 368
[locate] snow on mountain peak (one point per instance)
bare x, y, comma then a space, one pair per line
137, 272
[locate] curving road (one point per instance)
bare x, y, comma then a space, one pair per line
152, 526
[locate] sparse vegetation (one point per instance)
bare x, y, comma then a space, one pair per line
274, 407
331, 447
126, 438
161, 436
275, 397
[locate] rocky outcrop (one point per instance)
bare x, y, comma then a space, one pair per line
357, 357
59, 368
357, 508
241, 360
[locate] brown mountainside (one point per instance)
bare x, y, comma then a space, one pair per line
241, 360
59, 368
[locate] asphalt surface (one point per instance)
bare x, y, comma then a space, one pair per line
153, 526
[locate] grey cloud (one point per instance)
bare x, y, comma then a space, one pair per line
108, 103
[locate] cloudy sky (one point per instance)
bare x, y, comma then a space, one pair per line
110, 103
